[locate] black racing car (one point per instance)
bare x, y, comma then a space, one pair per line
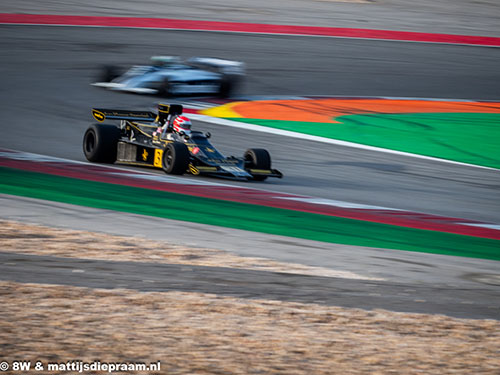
136, 141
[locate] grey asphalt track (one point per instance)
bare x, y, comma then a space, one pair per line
46, 99
240, 283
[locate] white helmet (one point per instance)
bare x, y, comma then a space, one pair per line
182, 124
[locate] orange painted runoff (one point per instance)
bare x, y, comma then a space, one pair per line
326, 110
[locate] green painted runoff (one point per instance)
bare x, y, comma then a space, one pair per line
241, 215
472, 138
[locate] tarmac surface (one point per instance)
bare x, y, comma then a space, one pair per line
41, 63
151, 277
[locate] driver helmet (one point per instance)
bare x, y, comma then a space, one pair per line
182, 124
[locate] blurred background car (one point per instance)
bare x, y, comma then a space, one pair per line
171, 76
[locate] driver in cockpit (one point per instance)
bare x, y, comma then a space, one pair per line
180, 126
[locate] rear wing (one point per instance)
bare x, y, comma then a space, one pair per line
164, 110
101, 114
168, 111
225, 66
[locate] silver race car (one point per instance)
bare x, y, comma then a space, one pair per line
170, 76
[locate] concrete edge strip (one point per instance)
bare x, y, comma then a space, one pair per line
251, 28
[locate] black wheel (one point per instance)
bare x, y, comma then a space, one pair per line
109, 73
175, 158
227, 86
165, 89
100, 143
257, 158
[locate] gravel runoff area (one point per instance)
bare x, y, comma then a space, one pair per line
193, 333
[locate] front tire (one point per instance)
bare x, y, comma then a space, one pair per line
100, 143
257, 158
175, 158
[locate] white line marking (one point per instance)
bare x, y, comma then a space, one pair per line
481, 225
331, 202
31, 157
170, 179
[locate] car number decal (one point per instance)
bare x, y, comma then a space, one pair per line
158, 156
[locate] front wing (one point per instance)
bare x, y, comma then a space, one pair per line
230, 171
150, 156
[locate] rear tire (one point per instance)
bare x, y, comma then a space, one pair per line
165, 89
175, 158
227, 86
100, 143
108, 73
257, 158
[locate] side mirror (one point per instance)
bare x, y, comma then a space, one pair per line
208, 135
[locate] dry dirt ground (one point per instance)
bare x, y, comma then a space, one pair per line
193, 333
